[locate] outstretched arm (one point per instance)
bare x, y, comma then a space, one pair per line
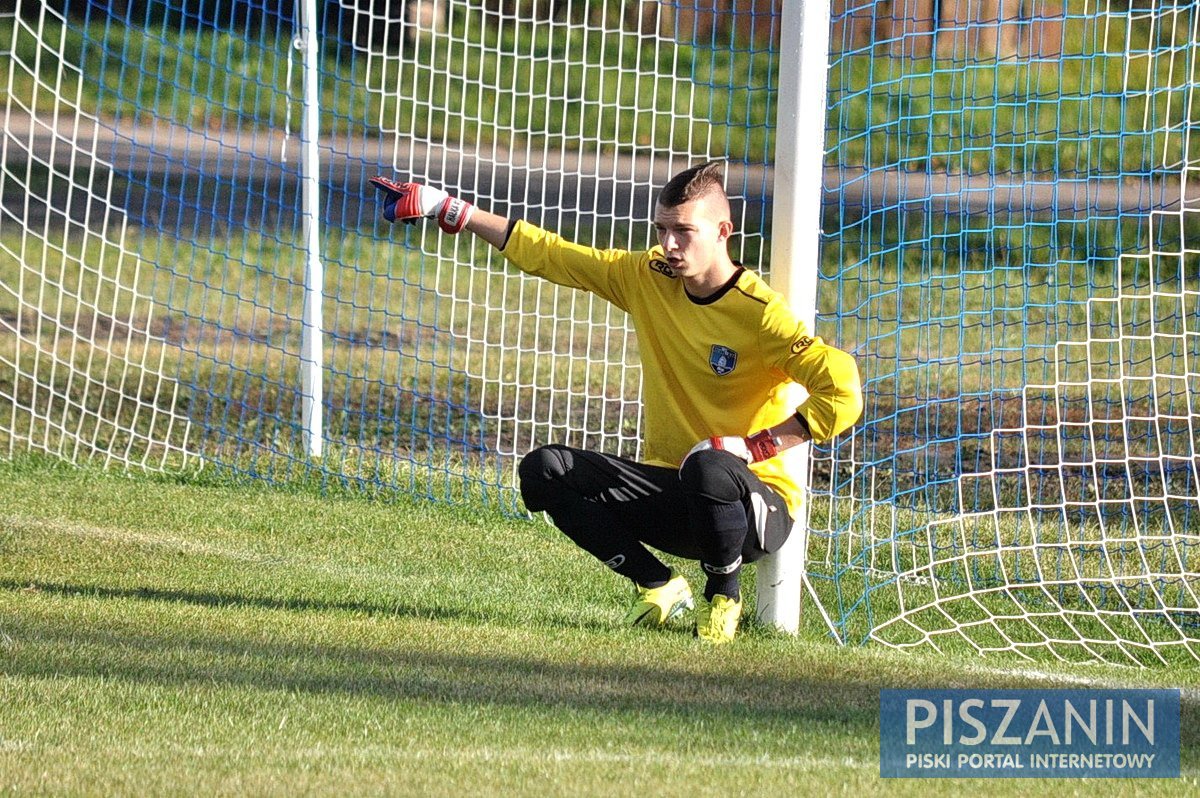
491, 227
532, 250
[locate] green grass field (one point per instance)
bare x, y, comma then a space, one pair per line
167, 636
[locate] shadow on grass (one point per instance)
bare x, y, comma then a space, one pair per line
843, 697
394, 606
428, 669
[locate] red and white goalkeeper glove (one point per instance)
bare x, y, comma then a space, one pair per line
407, 202
752, 449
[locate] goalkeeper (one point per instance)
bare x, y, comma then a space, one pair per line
721, 355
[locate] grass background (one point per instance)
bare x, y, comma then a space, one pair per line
160, 636
1102, 106
941, 306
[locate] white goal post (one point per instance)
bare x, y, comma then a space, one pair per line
796, 250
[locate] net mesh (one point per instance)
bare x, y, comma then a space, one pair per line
1010, 212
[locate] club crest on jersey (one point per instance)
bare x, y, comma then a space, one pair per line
722, 359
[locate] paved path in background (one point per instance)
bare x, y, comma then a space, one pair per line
250, 177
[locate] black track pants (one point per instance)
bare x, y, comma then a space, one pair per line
714, 510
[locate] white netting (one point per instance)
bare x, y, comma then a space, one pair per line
1087, 543
78, 337
1028, 476
1009, 217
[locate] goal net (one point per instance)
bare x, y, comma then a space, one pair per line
181, 122
82, 356
1008, 248
1015, 257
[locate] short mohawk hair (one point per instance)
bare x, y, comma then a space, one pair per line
692, 184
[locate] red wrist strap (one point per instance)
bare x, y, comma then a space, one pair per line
454, 214
761, 445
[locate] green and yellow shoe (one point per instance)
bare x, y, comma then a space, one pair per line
654, 606
717, 622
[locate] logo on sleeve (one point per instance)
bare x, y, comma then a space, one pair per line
662, 267
800, 344
722, 359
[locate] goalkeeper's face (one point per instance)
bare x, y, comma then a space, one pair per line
695, 235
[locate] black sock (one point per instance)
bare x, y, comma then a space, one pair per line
723, 528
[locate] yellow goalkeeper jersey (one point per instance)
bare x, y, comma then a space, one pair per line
728, 364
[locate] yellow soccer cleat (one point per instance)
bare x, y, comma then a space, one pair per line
717, 622
654, 606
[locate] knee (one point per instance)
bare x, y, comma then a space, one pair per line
710, 474
545, 464
538, 473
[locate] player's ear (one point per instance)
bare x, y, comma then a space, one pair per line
724, 230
